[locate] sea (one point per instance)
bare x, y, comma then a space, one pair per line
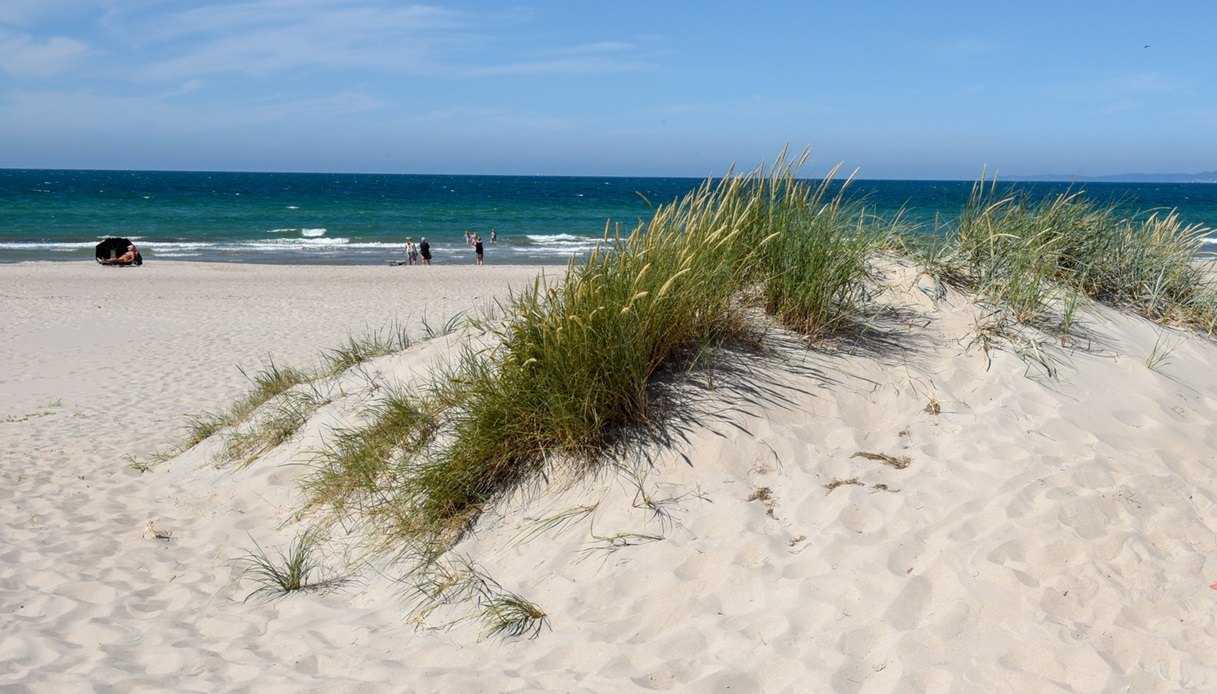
365, 219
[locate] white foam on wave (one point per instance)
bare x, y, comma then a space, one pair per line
278, 244
170, 247
560, 244
46, 246
306, 232
182, 254
268, 245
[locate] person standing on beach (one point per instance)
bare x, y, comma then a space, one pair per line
424, 249
478, 249
411, 251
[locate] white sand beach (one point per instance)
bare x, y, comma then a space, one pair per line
904, 514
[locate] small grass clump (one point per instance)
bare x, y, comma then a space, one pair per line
270, 381
289, 574
369, 346
145, 463
437, 586
509, 615
204, 426
276, 423
293, 408
356, 471
816, 260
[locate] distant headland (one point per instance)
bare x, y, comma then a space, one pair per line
1202, 177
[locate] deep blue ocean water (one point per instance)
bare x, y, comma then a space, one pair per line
59, 215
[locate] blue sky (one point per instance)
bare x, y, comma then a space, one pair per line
892, 89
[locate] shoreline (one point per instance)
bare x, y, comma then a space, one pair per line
466, 259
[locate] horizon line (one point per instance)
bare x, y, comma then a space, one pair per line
1130, 177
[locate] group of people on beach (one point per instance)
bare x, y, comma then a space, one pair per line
422, 250
416, 252
475, 240
471, 237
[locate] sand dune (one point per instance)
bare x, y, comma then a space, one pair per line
902, 513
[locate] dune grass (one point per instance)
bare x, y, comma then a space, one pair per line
268, 382
356, 467
370, 345
572, 363
290, 409
274, 424
816, 259
1035, 259
575, 359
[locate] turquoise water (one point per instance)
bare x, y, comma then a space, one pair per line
365, 218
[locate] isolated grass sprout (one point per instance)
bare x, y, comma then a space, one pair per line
290, 573
509, 615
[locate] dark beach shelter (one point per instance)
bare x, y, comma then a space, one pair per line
113, 247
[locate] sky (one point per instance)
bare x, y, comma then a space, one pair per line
903, 90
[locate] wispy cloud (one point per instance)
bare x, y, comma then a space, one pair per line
85, 111
26, 57
316, 40
481, 119
81, 111
276, 108
584, 66
186, 87
262, 39
23, 13
601, 57
267, 38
